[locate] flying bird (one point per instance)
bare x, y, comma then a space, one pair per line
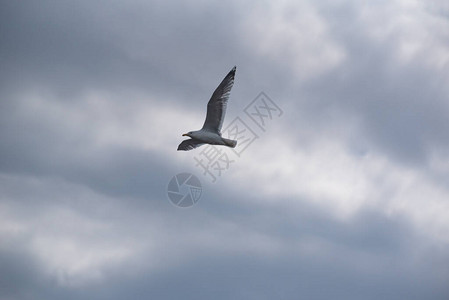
216, 110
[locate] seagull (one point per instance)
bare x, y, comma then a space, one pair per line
216, 110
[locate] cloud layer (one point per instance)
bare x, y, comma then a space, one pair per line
343, 197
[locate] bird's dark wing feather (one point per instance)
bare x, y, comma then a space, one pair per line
216, 108
189, 144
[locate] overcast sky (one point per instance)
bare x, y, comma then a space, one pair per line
344, 196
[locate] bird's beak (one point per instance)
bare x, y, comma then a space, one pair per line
185, 134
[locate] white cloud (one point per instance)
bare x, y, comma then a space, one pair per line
50, 219
293, 35
327, 174
418, 35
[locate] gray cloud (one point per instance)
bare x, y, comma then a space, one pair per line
85, 154
401, 110
364, 258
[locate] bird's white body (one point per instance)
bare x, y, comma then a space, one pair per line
207, 137
212, 138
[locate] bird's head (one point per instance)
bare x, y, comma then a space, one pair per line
189, 134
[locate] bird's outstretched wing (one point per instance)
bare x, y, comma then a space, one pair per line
189, 144
216, 108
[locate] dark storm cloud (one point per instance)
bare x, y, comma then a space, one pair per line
19, 272
35, 146
231, 245
108, 45
350, 268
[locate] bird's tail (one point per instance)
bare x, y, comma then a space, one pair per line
230, 143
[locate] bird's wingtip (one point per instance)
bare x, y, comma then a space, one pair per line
232, 72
